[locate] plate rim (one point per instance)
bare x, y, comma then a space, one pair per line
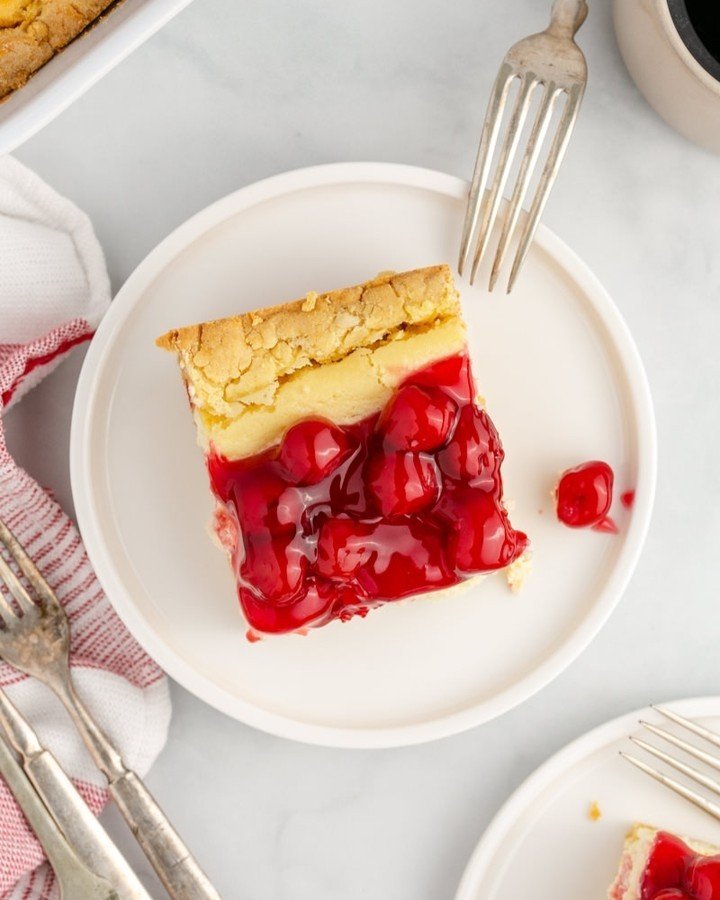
205, 689
551, 769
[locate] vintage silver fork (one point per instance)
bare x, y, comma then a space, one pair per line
35, 638
82, 831
552, 59
74, 877
690, 772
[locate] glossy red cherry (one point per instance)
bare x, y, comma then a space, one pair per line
256, 495
418, 418
483, 539
276, 568
405, 558
451, 374
475, 453
702, 878
342, 547
386, 560
310, 607
666, 865
312, 449
401, 483
584, 494
672, 894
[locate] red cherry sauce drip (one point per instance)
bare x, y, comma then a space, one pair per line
675, 872
336, 520
584, 497
627, 498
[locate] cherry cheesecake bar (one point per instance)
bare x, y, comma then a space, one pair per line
657, 865
351, 462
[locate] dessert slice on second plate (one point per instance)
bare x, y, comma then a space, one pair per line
657, 865
351, 462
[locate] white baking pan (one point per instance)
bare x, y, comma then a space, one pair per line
69, 74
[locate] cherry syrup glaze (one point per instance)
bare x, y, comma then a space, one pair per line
584, 496
336, 520
675, 872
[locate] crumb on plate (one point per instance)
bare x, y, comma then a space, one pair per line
517, 572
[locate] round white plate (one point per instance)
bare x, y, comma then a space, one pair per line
563, 382
543, 844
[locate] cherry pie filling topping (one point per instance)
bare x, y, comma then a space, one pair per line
675, 872
336, 520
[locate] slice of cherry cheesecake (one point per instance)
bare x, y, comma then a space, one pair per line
350, 460
657, 865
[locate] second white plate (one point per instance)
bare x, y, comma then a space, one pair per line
543, 844
563, 382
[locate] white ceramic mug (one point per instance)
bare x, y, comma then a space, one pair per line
671, 67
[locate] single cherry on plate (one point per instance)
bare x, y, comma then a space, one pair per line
584, 495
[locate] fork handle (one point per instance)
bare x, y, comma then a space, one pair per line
567, 16
75, 879
180, 874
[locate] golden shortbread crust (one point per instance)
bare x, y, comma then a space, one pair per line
337, 355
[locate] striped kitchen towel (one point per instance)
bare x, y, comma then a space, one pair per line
54, 289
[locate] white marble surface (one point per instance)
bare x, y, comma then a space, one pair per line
230, 92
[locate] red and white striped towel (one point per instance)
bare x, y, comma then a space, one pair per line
53, 291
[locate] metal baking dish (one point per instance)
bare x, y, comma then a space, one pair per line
83, 62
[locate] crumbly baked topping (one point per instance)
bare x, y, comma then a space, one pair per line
242, 360
337, 356
32, 31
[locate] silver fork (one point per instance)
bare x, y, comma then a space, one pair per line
701, 778
66, 807
73, 876
35, 639
552, 59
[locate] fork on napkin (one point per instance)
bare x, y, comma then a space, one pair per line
54, 289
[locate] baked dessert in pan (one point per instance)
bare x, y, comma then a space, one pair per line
33, 31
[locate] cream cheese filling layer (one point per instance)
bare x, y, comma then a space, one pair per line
344, 391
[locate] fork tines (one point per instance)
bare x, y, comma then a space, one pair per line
550, 60
19, 591
696, 775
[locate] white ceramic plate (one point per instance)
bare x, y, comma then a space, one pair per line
84, 61
543, 844
563, 381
